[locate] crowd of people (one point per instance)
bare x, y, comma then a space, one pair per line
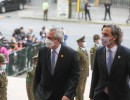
20, 39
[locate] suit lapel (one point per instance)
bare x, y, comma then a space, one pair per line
48, 60
104, 60
59, 59
116, 60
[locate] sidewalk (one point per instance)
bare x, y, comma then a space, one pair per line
16, 89
118, 15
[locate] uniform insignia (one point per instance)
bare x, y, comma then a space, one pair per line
62, 56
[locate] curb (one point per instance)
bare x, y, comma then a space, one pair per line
77, 21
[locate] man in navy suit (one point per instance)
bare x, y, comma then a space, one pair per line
57, 71
110, 77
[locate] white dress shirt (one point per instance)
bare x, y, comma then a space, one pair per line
57, 53
113, 49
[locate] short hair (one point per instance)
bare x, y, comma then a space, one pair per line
115, 31
58, 33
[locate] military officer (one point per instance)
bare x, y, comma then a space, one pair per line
84, 68
96, 40
3, 78
30, 79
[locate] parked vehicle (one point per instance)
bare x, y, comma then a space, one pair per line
7, 5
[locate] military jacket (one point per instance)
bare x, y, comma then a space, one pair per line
84, 63
29, 83
92, 54
3, 86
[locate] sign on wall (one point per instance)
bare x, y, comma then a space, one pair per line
62, 8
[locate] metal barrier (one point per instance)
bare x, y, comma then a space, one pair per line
118, 3
20, 61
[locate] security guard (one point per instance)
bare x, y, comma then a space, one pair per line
3, 78
96, 40
84, 68
30, 79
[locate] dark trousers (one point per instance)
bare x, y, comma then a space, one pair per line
128, 19
102, 96
87, 13
45, 16
107, 12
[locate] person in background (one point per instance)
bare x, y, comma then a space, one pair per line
87, 10
127, 21
57, 70
1, 35
107, 6
21, 29
84, 68
3, 78
111, 72
45, 7
96, 40
4, 51
65, 37
30, 79
41, 38
29, 43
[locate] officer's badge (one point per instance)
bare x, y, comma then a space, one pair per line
62, 56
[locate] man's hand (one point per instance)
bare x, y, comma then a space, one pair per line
65, 98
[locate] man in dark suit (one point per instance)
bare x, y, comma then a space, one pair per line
107, 6
110, 77
57, 71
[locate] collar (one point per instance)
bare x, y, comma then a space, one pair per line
97, 44
82, 48
57, 49
113, 49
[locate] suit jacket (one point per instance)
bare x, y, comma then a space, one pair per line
117, 80
107, 6
65, 78
86, 7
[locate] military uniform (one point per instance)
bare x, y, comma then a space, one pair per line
3, 86
93, 50
3, 78
92, 54
84, 71
30, 81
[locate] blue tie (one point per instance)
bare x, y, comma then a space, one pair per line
53, 61
110, 60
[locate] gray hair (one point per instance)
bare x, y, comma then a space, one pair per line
58, 33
